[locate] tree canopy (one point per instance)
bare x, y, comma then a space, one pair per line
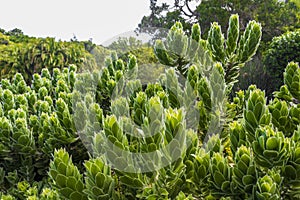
275, 16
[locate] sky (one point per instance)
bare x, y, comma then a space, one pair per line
100, 20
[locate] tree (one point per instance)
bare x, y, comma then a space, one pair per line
275, 16
157, 19
282, 50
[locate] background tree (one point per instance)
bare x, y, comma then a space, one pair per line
162, 16
29, 55
282, 50
275, 16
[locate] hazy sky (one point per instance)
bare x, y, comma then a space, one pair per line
97, 19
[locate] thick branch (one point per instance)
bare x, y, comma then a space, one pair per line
189, 8
180, 7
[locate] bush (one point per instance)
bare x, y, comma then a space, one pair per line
282, 50
244, 149
29, 55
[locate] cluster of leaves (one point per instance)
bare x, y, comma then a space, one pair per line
194, 142
35, 120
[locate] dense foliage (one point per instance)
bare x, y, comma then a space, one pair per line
29, 55
52, 131
283, 49
275, 16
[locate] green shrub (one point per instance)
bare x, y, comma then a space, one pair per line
30, 55
282, 50
74, 122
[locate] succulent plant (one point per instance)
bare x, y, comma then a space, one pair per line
249, 41
232, 34
283, 94
255, 113
270, 147
216, 42
291, 170
281, 117
231, 53
244, 171
201, 172
268, 187
99, 182
237, 136
182, 196
295, 115
221, 175
193, 76
214, 145
292, 79
174, 51
66, 176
